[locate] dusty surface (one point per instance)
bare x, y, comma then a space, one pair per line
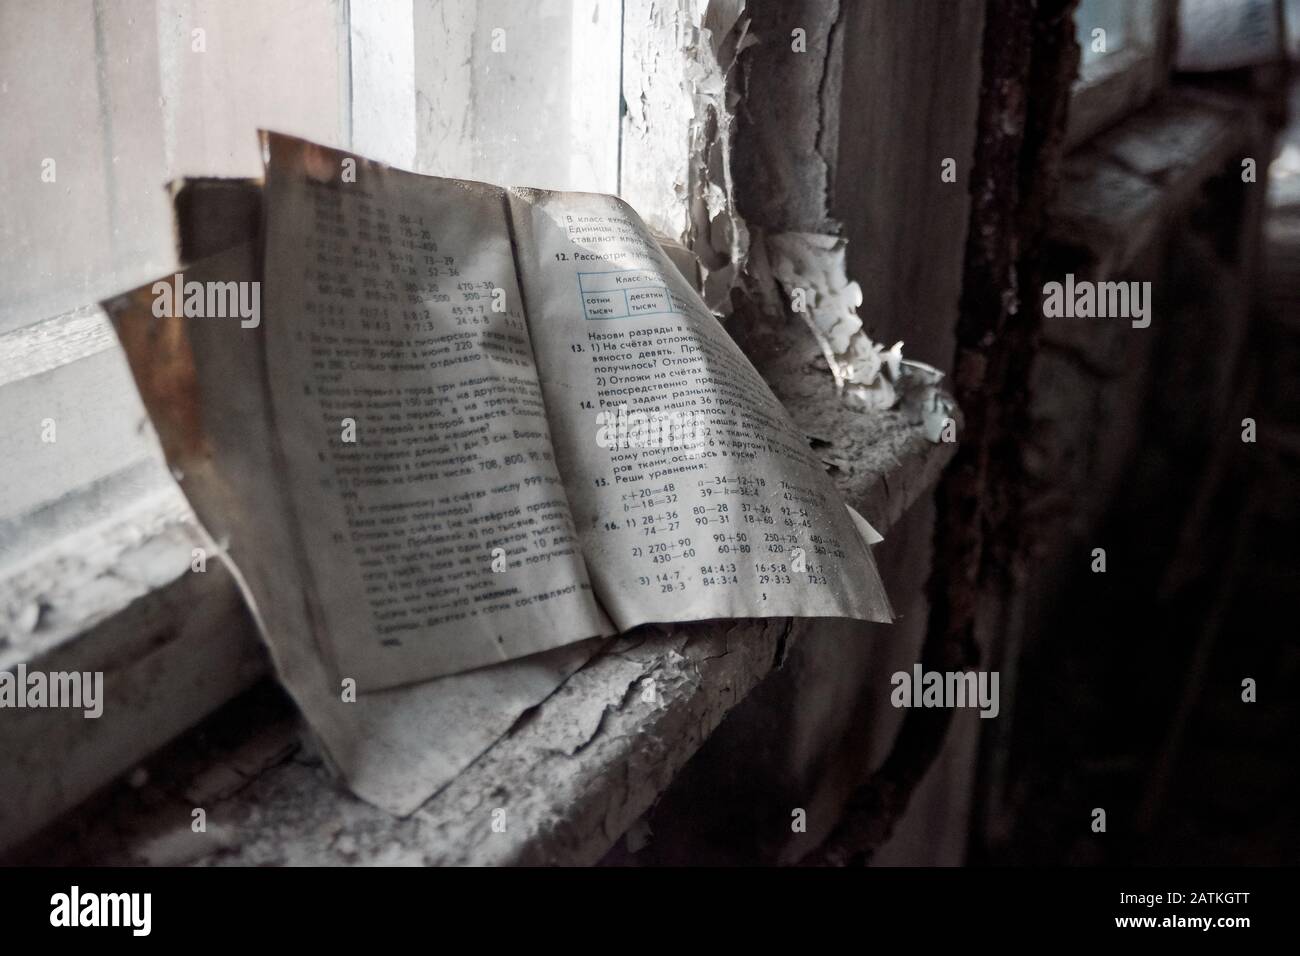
570, 778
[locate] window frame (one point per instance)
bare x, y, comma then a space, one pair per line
1120, 83
388, 83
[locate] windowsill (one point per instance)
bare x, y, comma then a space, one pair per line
95, 551
1133, 206
117, 596
575, 772
1122, 187
1118, 84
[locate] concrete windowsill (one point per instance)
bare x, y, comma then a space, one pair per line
574, 773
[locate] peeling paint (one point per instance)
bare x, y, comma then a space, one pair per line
678, 131
795, 261
805, 273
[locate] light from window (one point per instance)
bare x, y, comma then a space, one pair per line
102, 103
1102, 27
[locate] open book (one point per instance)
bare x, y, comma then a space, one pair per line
441, 425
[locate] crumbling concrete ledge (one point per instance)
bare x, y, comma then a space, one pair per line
567, 781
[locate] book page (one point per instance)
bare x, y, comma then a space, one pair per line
397, 747
694, 493
407, 404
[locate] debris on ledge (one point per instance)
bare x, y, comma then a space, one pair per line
805, 273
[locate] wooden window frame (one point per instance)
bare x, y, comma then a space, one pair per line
1122, 82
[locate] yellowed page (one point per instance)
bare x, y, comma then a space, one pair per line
694, 493
203, 381
419, 461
